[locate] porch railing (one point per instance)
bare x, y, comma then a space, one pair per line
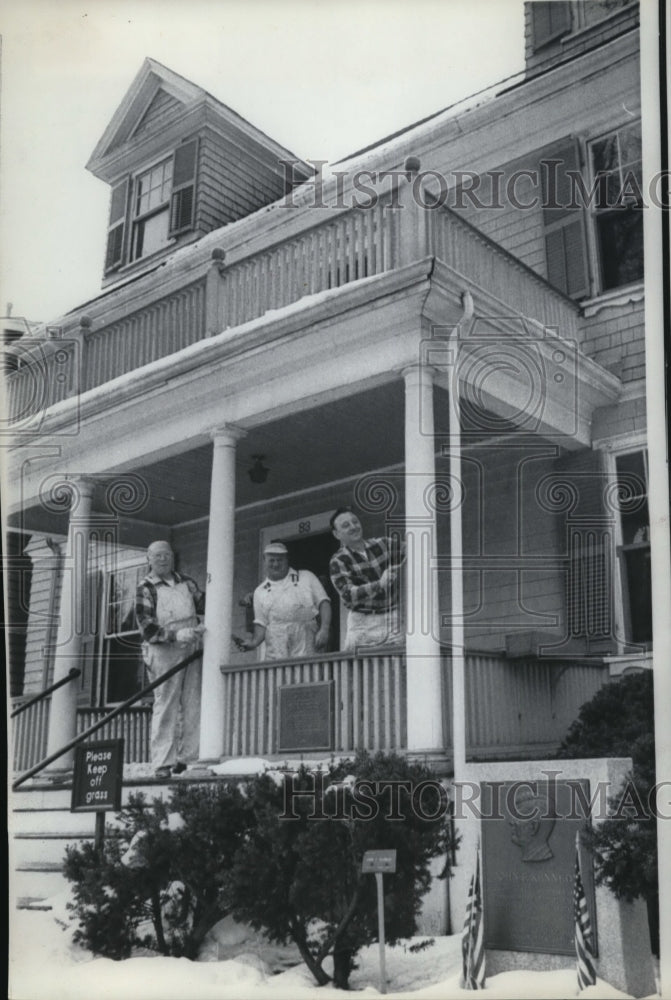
51, 372
469, 252
31, 727
133, 726
370, 700
29, 732
516, 706
513, 706
268, 272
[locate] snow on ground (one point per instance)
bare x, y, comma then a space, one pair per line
46, 965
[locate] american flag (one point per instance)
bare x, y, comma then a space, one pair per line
472, 939
583, 928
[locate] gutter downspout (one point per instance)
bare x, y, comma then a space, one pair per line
456, 557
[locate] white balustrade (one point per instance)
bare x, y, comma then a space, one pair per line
369, 697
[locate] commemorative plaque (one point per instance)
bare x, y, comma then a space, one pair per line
306, 716
528, 864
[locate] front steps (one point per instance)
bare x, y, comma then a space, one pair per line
41, 826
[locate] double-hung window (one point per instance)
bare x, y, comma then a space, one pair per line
121, 668
615, 161
151, 209
631, 471
592, 212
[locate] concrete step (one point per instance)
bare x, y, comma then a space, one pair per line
41, 826
34, 851
37, 883
53, 823
28, 903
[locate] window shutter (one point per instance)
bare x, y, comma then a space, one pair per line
564, 223
550, 20
117, 225
183, 201
589, 586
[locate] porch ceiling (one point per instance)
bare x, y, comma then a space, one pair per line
337, 440
342, 438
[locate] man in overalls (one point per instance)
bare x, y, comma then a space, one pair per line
286, 606
167, 608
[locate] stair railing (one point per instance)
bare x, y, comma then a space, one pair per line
72, 674
111, 715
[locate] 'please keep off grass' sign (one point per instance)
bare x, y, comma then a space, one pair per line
98, 777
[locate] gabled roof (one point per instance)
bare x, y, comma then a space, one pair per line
157, 88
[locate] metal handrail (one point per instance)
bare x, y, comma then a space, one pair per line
70, 676
111, 715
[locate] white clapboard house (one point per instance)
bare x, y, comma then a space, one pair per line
444, 330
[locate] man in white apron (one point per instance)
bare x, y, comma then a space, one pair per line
167, 608
286, 606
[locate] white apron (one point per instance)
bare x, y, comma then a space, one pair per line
175, 721
292, 624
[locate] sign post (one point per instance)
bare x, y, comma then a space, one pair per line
377, 863
97, 781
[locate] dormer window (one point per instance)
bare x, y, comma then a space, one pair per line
151, 210
153, 207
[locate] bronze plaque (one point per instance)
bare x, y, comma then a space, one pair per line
306, 716
528, 864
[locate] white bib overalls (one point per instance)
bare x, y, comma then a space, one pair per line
175, 721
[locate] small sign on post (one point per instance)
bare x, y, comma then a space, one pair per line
97, 781
377, 863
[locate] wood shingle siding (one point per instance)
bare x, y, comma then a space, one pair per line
160, 110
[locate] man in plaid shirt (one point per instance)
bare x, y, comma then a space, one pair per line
365, 574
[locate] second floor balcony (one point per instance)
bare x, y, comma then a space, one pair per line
260, 267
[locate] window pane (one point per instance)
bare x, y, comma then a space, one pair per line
630, 145
605, 154
620, 235
152, 188
637, 574
632, 498
596, 10
125, 668
151, 234
633, 464
121, 601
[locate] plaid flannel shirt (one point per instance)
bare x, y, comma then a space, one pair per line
356, 574
145, 604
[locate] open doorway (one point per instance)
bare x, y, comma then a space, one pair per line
313, 552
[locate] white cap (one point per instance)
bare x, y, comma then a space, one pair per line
276, 549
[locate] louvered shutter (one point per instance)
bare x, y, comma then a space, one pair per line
550, 20
117, 225
563, 221
590, 585
183, 201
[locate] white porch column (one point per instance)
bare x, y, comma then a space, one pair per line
219, 599
424, 673
73, 624
458, 656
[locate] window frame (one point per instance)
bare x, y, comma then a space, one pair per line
580, 21
139, 218
104, 638
565, 20
594, 212
123, 229
621, 591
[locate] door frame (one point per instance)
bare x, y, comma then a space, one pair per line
302, 527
